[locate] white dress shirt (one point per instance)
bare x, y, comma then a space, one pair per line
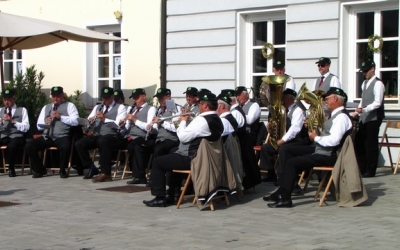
22, 126
196, 128
71, 119
120, 115
379, 90
340, 125
238, 116
228, 129
143, 124
296, 124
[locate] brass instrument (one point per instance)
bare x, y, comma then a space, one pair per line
315, 113
277, 113
161, 119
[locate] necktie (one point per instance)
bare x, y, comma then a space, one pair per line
137, 111
287, 110
9, 112
163, 110
322, 81
106, 111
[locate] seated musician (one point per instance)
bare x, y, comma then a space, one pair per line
296, 134
60, 115
138, 124
191, 100
104, 135
336, 129
15, 123
223, 110
207, 125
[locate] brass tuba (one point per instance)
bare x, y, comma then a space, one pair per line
315, 113
277, 114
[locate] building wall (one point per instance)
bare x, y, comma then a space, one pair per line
65, 63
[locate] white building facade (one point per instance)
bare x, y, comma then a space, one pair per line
216, 44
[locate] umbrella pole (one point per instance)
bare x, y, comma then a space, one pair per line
2, 70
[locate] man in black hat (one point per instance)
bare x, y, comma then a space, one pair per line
14, 124
327, 79
239, 115
279, 70
336, 129
371, 112
139, 127
253, 125
207, 125
104, 135
55, 120
119, 97
296, 134
223, 110
191, 100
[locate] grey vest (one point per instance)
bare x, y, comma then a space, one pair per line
368, 98
104, 129
57, 129
164, 134
136, 132
194, 108
329, 151
325, 85
9, 129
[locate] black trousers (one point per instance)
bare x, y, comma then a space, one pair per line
12, 152
366, 146
288, 151
296, 165
33, 147
138, 156
163, 164
105, 144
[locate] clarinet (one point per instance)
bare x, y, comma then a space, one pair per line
88, 128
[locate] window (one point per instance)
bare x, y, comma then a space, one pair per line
109, 64
12, 64
384, 23
261, 28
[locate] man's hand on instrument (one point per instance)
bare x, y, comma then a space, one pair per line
312, 134
280, 142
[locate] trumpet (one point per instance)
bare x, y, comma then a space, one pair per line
161, 119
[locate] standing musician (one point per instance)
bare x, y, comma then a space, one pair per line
105, 136
191, 104
59, 115
138, 125
371, 111
15, 123
253, 112
279, 70
327, 79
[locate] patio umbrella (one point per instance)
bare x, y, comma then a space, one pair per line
19, 32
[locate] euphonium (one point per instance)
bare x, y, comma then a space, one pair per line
315, 113
277, 114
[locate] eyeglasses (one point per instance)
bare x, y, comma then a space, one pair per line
321, 65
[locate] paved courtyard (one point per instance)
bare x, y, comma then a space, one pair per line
71, 213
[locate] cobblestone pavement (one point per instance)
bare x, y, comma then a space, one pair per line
71, 213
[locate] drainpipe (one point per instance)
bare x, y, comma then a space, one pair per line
163, 44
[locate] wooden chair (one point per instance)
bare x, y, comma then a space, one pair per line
52, 168
117, 162
390, 126
22, 164
186, 185
327, 171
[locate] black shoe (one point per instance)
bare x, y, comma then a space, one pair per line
281, 203
156, 202
271, 197
63, 174
79, 170
11, 172
297, 191
368, 175
137, 181
37, 175
171, 200
92, 172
